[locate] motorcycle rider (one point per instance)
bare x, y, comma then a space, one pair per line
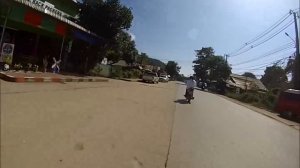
190, 85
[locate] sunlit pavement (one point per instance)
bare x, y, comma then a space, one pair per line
88, 124
213, 132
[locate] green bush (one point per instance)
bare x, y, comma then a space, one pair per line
264, 100
117, 72
136, 73
96, 70
233, 95
267, 104
131, 73
127, 74
249, 97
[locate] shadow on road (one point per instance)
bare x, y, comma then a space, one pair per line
181, 101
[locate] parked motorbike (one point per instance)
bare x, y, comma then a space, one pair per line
202, 86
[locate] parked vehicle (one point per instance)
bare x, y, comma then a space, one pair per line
288, 104
163, 78
202, 85
150, 77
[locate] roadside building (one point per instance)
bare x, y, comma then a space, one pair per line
39, 30
239, 83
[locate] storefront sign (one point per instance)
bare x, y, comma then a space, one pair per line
47, 7
7, 52
50, 9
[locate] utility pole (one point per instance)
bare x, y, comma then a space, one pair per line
3, 28
246, 86
226, 55
296, 73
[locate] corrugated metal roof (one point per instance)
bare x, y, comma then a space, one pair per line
242, 81
121, 63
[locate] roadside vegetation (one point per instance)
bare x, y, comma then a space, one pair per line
258, 99
215, 71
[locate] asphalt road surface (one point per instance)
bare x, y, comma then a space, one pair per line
114, 124
213, 132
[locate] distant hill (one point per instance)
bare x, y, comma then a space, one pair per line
156, 62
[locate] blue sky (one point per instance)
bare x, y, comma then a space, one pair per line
173, 29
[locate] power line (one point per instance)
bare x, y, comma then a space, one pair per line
262, 65
267, 39
257, 58
290, 56
282, 48
276, 24
275, 62
270, 29
281, 61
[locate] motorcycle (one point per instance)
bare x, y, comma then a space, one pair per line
189, 95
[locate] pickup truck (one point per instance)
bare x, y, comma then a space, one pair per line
150, 77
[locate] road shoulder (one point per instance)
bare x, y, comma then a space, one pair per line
269, 114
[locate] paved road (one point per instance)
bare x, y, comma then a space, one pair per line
227, 135
115, 124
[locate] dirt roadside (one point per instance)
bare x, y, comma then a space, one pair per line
113, 124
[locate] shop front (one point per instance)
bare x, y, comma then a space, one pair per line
33, 31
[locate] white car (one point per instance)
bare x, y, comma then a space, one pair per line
163, 78
150, 77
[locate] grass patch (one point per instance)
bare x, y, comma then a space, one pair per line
258, 99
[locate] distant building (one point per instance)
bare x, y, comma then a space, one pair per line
242, 83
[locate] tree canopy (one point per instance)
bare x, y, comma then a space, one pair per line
111, 20
274, 77
143, 59
106, 18
173, 69
126, 47
208, 66
249, 74
156, 62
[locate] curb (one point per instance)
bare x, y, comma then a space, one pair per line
47, 79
